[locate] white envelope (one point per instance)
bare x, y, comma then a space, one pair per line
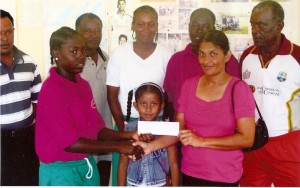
158, 128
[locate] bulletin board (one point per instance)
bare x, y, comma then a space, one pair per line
232, 17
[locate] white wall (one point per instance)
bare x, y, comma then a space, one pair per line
37, 19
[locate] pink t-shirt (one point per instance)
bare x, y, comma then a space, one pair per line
214, 119
184, 65
66, 111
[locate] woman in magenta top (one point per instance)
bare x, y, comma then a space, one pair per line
68, 127
212, 131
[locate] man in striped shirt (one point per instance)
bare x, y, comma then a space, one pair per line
20, 83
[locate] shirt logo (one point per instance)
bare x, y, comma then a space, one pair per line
93, 104
281, 77
246, 74
267, 91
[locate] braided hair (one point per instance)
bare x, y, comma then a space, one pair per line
59, 38
147, 87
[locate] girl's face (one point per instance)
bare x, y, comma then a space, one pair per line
145, 26
212, 58
148, 106
71, 57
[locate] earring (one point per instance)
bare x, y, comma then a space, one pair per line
56, 59
133, 35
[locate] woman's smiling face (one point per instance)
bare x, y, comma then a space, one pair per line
145, 26
212, 58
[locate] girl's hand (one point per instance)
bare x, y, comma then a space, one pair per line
147, 147
146, 137
142, 137
188, 137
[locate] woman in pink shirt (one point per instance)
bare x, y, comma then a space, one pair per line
68, 127
213, 132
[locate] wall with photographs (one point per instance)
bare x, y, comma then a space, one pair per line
37, 19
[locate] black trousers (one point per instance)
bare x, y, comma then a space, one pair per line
195, 182
19, 162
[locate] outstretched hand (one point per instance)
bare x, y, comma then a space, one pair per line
147, 147
146, 137
143, 137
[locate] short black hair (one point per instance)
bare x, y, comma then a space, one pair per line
121, 0
86, 15
277, 9
204, 11
144, 8
122, 36
5, 14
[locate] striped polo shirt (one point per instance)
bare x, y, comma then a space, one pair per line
19, 88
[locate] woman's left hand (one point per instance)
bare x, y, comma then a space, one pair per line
188, 137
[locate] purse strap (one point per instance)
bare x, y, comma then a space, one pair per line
232, 99
260, 116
